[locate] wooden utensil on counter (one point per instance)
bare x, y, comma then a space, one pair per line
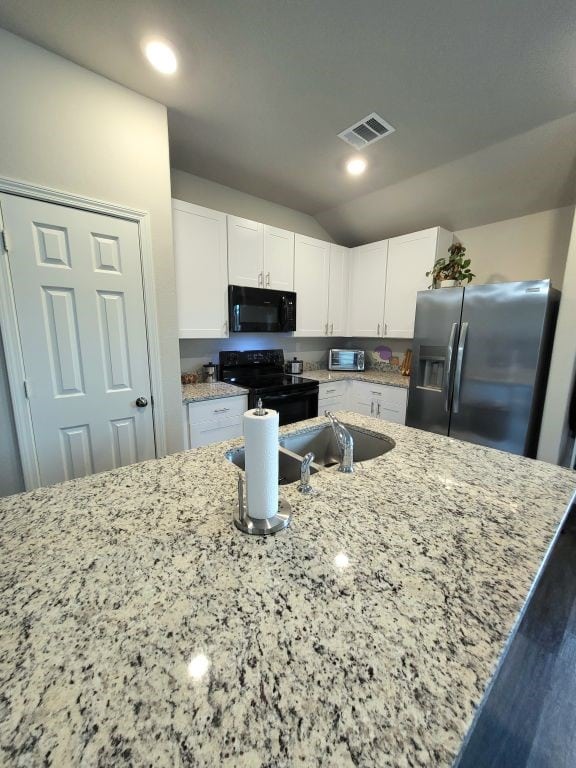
406, 363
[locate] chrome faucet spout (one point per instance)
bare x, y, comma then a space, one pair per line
345, 443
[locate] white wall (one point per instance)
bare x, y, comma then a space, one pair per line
194, 189
64, 127
555, 442
530, 247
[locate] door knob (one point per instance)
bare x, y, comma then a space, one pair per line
141, 402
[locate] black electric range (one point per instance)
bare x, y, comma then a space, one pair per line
261, 372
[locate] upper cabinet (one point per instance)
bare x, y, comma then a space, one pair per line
311, 272
338, 290
260, 256
367, 289
385, 278
409, 258
201, 271
245, 252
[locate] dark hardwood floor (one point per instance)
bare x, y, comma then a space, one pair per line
528, 718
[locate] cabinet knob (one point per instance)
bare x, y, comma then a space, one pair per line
141, 402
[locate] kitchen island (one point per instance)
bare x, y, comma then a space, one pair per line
140, 628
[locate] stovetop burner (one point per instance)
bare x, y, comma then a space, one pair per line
260, 370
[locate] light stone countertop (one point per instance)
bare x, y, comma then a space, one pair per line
194, 393
120, 588
390, 378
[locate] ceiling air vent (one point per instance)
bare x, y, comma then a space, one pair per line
367, 131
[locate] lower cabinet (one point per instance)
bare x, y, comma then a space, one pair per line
211, 421
332, 396
379, 400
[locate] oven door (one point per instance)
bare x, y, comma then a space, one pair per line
291, 406
259, 310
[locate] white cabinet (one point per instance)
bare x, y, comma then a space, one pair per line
278, 266
321, 284
338, 290
245, 252
201, 271
385, 278
409, 258
367, 289
260, 256
311, 273
332, 396
211, 421
379, 400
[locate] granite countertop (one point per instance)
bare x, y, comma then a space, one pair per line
193, 393
390, 378
140, 628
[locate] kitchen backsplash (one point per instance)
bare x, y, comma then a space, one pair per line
194, 353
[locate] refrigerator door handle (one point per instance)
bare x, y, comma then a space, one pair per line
448, 368
459, 362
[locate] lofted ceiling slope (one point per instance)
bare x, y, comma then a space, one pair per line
264, 86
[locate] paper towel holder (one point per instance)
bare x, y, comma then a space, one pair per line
260, 527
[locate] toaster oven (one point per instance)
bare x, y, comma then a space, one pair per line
346, 360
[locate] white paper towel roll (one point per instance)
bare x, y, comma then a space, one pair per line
261, 439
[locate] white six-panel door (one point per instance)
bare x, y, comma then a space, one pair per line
77, 281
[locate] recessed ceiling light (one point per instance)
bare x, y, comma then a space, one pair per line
161, 56
356, 166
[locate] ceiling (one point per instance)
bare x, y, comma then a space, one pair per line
264, 86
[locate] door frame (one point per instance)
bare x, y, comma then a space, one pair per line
11, 335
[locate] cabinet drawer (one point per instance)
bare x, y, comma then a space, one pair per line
217, 409
331, 404
208, 432
332, 389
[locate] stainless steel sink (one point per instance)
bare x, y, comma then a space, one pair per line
322, 443
288, 464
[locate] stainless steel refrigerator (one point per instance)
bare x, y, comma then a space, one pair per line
480, 362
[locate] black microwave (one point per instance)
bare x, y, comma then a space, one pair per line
258, 310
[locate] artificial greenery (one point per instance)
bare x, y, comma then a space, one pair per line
455, 267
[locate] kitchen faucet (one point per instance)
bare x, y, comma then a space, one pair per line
345, 443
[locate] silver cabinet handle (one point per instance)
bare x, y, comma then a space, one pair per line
448, 367
459, 364
378, 331
268, 279
385, 329
330, 390
372, 408
226, 327
378, 411
374, 392
221, 410
326, 330
260, 279
331, 329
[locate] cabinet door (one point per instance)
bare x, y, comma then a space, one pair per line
311, 273
367, 289
409, 258
245, 252
201, 271
278, 259
361, 400
338, 291
392, 407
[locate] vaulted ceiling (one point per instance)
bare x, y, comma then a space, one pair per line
481, 95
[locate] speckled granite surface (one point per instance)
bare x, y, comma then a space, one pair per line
390, 378
193, 393
140, 628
